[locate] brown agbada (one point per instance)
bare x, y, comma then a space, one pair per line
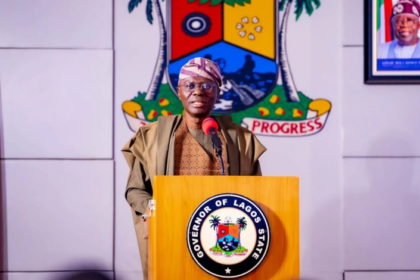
152, 151
191, 158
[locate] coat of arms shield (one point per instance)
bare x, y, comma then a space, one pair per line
228, 237
241, 39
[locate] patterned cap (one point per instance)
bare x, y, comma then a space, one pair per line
201, 67
407, 7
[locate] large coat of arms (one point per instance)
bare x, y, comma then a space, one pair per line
247, 39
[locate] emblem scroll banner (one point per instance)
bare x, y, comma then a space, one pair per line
316, 118
285, 128
135, 123
262, 127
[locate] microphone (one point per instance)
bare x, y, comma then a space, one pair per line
210, 128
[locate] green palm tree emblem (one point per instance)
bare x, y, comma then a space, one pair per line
285, 70
160, 67
242, 226
214, 224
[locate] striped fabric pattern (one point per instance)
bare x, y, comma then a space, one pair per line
201, 67
407, 7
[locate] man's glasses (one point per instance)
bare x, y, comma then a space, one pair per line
205, 87
409, 22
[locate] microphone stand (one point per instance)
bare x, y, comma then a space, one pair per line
219, 155
217, 145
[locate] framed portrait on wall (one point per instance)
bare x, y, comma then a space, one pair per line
392, 44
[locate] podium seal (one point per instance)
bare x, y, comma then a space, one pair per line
228, 236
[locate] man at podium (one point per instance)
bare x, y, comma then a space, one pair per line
183, 145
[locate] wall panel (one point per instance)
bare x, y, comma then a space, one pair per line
56, 24
59, 215
381, 214
56, 103
353, 22
378, 120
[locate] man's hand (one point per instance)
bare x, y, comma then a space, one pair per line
146, 225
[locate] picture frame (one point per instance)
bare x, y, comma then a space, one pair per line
391, 43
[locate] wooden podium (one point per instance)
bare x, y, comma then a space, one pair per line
177, 198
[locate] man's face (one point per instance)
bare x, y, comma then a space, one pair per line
198, 96
406, 28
